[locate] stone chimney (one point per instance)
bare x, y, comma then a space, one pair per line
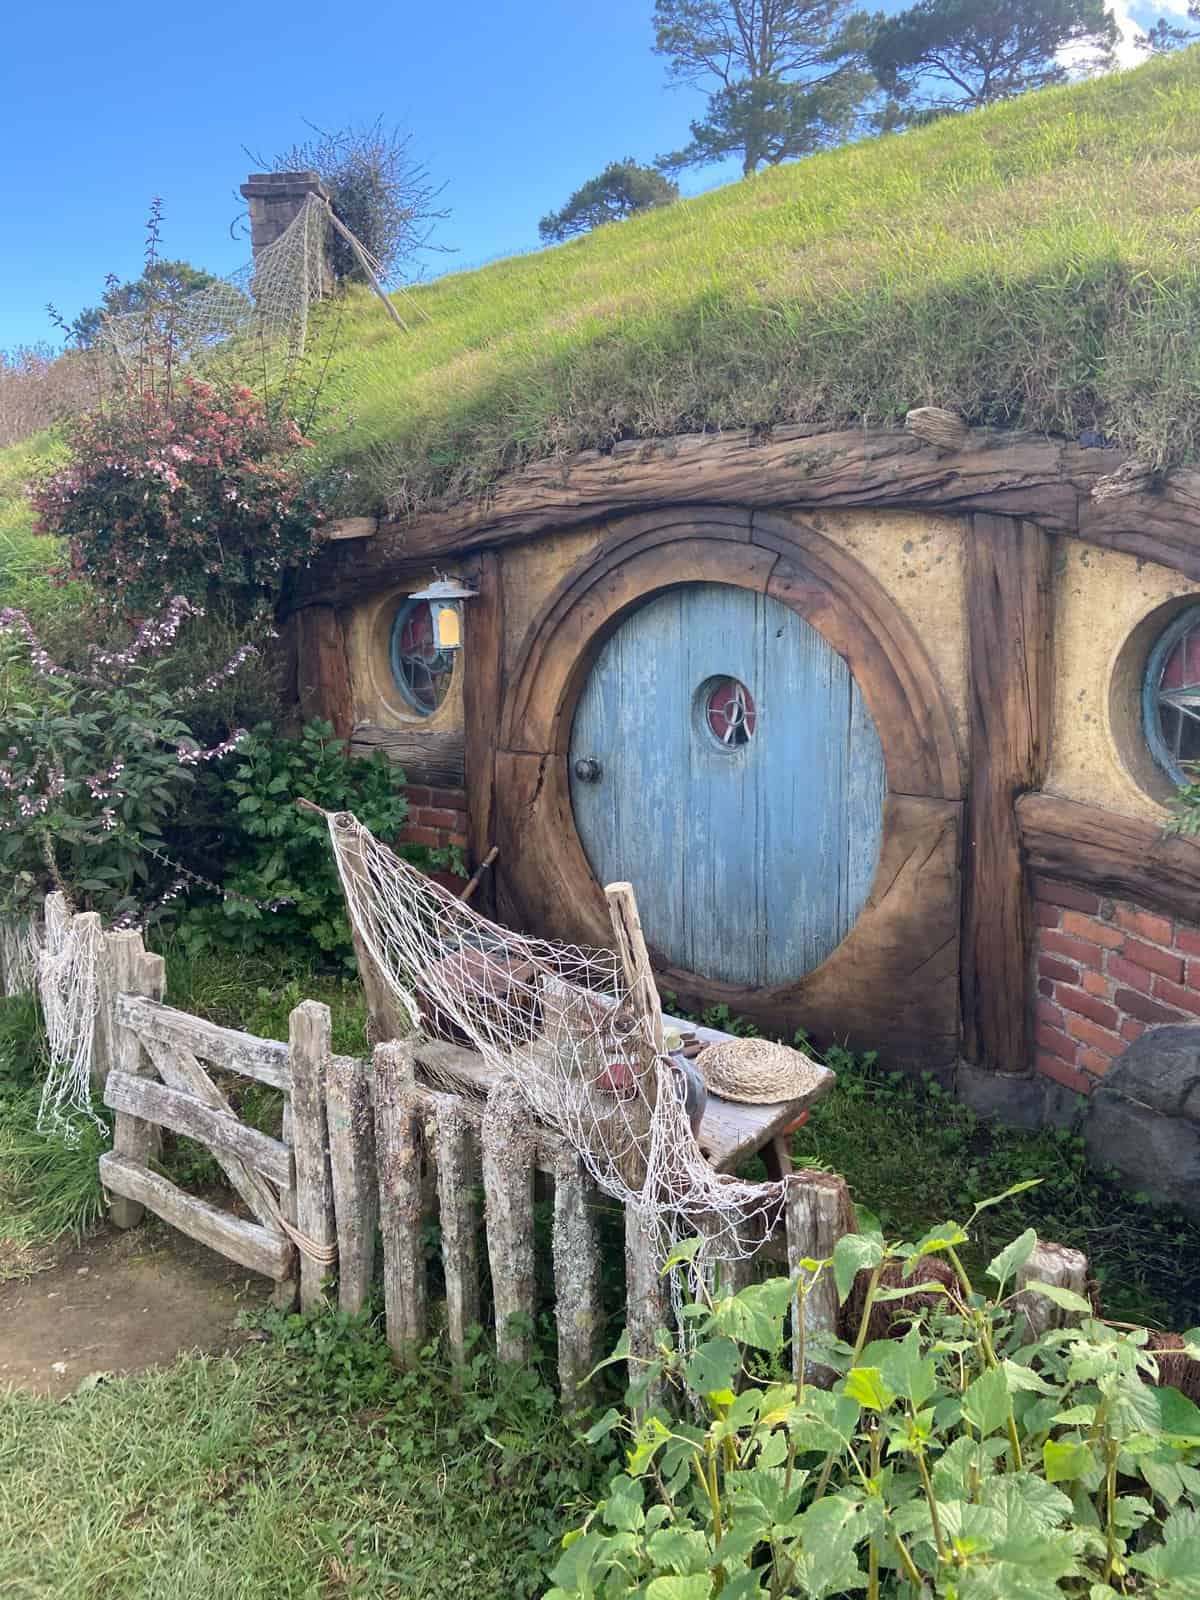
274, 199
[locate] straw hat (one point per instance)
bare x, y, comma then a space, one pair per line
758, 1072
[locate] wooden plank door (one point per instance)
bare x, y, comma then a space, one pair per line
724, 762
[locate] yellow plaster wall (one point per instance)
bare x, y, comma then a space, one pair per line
1109, 609
919, 559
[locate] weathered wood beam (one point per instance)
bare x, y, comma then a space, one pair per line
508, 1167
244, 1242
578, 1310
323, 686
1009, 599
186, 1114
400, 1146
483, 695
456, 1144
310, 1029
1007, 473
430, 756
1128, 857
263, 1059
134, 1139
352, 1168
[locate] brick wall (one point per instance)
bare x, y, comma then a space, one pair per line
436, 817
1106, 971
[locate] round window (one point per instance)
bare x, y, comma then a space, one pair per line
729, 712
1171, 696
422, 672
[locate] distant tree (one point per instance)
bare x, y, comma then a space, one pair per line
161, 283
959, 54
621, 189
1165, 35
376, 188
788, 74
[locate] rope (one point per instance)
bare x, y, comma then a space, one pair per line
323, 1254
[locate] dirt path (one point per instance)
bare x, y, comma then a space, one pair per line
119, 1303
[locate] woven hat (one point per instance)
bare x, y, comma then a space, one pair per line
758, 1072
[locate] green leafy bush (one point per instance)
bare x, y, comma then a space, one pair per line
967, 1459
282, 885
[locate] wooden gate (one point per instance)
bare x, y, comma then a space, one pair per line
161, 1078
723, 758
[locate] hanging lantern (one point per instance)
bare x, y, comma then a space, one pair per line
445, 597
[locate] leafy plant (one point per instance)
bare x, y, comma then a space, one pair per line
283, 887
970, 1458
1184, 805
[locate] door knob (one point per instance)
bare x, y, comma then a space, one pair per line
588, 770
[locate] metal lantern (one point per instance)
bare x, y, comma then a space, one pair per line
445, 598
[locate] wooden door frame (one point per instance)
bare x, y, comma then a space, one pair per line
894, 979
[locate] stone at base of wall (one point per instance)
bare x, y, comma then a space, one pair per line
1144, 1118
1017, 1099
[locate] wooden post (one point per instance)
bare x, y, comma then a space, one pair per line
818, 1212
1010, 620
310, 1031
323, 669
508, 1168
1054, 1264
16, 957
352, 1169
120, 951
134, 1139
576, 1245
399, 1149
456, 1145
635, 959
483, 694
646, 1303
386, 1017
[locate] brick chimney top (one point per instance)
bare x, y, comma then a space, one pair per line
274, 199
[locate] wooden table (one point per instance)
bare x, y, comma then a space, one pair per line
730, 1132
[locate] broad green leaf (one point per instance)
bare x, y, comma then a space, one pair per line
755, 1316
903, 1290
998, 1199
684, 1251
851, 1254
1064, 1459
623, 1508
866, 1385
1134, 1407
606, 1424
1066, 1298
1013, 1257
681, 1550
696, 1587
713, 1366
985, 1402
1180, 1417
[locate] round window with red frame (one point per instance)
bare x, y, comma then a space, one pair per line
421, 671
729, 712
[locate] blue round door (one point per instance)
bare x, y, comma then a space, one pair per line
724, 762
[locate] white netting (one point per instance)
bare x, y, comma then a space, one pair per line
560, 1023
67, 970
267, 302
20, 944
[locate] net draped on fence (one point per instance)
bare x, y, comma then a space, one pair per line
558, 1022
67, 980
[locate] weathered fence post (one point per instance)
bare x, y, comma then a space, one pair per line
399, 1147
120, 952
576, 1247
458, 1176
1054, 1264
352, 1167
508, 1167
17, 957
818, 1212
310, 1031
132, 971
645, 1295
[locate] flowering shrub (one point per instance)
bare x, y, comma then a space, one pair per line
94, 767
182, 490
284, 887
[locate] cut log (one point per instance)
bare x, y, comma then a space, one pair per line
189, 1115
265, 1060
508, 1168
257, 1248
456, 1142
818, 1212
576, 1244
431, 756
399, 1148
1054, 1264
352, 1167
310, 1030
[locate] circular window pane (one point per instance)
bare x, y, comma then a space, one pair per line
730, 714
1171, 697
421, 671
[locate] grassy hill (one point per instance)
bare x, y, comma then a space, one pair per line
1034, 265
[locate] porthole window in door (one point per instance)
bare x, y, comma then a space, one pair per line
729, 712
1171, 696
420, 670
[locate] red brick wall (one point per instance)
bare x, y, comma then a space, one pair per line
1106, 971
436, 817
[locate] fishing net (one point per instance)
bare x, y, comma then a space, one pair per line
563, 1025
267, 302
67, 981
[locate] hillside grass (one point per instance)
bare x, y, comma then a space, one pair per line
1033, 265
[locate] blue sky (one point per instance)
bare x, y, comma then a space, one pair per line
102, 106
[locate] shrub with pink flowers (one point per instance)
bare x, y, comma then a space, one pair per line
186, 488
97, 762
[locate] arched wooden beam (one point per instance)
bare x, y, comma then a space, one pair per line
895, 977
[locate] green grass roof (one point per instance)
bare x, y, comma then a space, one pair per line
1036, 265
